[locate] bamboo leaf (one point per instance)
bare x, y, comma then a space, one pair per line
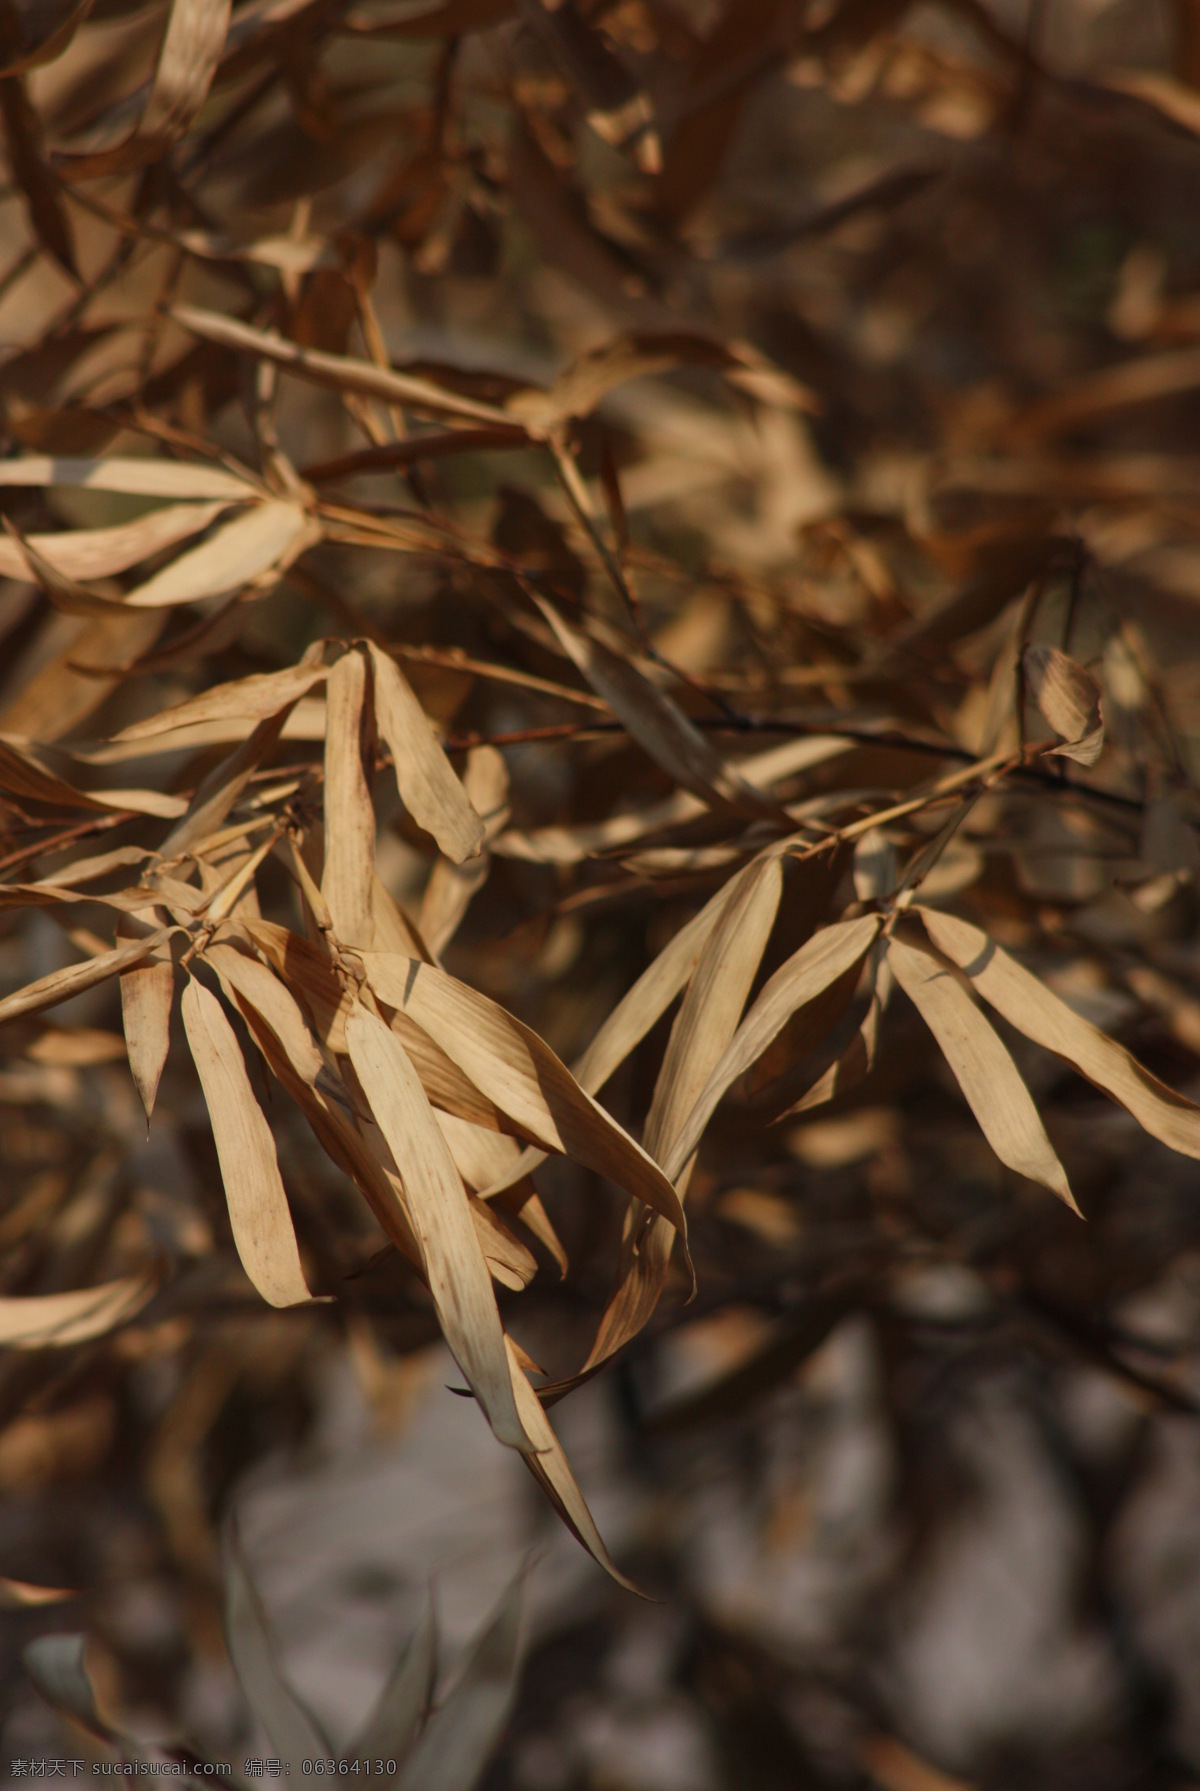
828, 955
403, 1704
293, 1730
437, 1206
258, 1207
52, 1321
425, 779
516, 1070
459, 1739
349, 872
982, 1067
1043, 1017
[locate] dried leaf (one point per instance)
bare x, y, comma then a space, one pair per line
982, 1067
657, 724
425, 779
438, 1209
1069, 700
138, 478
262, 539
349, 817
52, 1321
828, 955
147, 993
73, 979
245, 699
338, 371
514, 1068
258, 1207
1043, 1017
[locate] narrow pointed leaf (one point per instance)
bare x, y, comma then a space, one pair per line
428, 786
828, 955
1046, 1019
404, 1702
349, 817
258, 1207
437, 1203
982, 1067
514, 1068
52, 1321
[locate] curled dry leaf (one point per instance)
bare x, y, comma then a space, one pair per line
1069, 700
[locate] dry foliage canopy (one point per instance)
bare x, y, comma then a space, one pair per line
517, 647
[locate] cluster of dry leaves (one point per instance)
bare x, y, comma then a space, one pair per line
332, 662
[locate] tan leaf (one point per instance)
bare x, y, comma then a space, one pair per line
441, 1218
982, 1067
1068, 698
338, 371
257, 541
244, 699
1043, 1017
704, 1025
516, 1070
187, 61
51, 1321
279, 1029
452, 887
552, 1471
425, 778
98, 553
17, 1595
258, 1206
567, 845
349, 817
73, 979
712, 1006
147, 992
140, 478
828, 955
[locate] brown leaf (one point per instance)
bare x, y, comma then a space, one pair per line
425, 778
52, 1321
982, 1067
452, 887
441, 1219
338, 371
1046, 1019
516, 1070
349, 817
147, 992
258, 1206
73, 979
1069, 700
658, 724
828, 955
23, 140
